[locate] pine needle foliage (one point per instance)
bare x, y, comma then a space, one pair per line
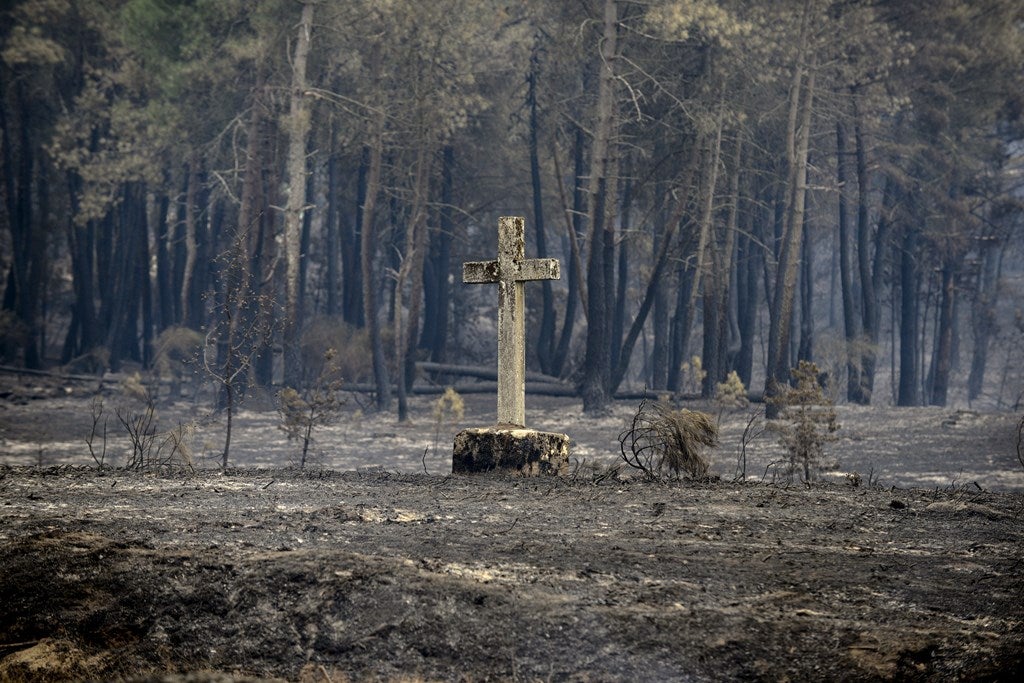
731, 393
662, 441
807, 421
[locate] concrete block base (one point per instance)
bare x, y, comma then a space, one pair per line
510, 449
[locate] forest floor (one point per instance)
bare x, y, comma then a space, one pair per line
374, 563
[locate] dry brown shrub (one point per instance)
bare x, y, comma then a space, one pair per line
174, 350
662, 440
353, 357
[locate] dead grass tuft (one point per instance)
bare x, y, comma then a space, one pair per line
661, 440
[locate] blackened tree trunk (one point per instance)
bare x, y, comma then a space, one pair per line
909, 319
983, 314
305, 241
944, 336
679, 333
295, 209
622, 279
352, 250
597, 362
851, 312
331, 238
435, 331
717, 294
798, 140
871, 268
546, 333
659, 346
412, 270
190, 243
161, 243
368, 252
142, 277
574, 228
806, 350
27, 238
748, 266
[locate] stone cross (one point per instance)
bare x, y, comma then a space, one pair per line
510, 271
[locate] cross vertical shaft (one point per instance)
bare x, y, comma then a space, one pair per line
511, 325
509, 271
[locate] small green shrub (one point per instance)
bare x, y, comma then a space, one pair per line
731, 393
661, 440
807, 421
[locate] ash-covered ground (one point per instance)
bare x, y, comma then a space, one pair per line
374, 563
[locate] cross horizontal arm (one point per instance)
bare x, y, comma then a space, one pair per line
481, 272
538, 269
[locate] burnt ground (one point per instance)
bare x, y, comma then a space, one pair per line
389, 574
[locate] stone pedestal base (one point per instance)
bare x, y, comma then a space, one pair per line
510, 449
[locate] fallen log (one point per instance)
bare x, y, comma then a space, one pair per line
535, 388
479, 372
56, 375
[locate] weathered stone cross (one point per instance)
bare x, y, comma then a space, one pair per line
510, 271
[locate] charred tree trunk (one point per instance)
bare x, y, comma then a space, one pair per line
298, 131
983, 315
717, 294
573, 275
798, 140
659, 347
435, 331
162, 243
909, 320
806, 350
546, 334
871, 269
352, 251
331, 237
415, 256
367, 253
622, 281
851, 312
597, 362
944, 337
748, 267
188, 268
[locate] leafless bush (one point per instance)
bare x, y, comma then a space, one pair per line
151, 449
98, 415
242, 329
754, 429
314, 406
663, 440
